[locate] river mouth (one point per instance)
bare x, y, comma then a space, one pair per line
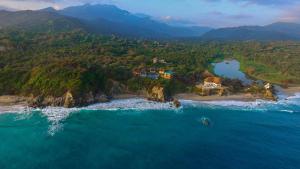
231, 69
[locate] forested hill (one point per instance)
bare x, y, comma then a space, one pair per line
275, 31
51, 64
99, 19
38, 21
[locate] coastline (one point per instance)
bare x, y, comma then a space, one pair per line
8, 102
290, 91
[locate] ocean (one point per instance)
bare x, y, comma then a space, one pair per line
137, 134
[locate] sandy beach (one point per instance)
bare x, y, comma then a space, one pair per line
290, 91
128, 96
237, 97
9, 100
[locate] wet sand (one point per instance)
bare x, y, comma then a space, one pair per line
235, 97
291, 90
128, 96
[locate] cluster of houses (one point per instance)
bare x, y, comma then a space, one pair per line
153, 73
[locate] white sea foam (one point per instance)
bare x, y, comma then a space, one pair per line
56, 115
284, 104
138, 104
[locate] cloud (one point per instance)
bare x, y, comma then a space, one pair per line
259, 2
291, 15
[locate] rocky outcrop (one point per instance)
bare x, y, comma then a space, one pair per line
176, 103
114, 88
157, 93
270, 95
269, 92
68, 100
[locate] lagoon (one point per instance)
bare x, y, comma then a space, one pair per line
231, 69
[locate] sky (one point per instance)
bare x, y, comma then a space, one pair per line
213, 13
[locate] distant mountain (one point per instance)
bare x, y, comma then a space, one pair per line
6, 8
110, 19
292, 29
276, 31
38, 21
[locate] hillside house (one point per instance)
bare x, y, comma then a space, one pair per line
156, 60
212, 83
268, 86
166, 74
146, 73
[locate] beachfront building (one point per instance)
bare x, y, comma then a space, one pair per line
212, 83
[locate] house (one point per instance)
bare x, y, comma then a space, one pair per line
152, 70
136, 72
161, 71
268, 86
155, 60
143, 74
153, 75
167, 74
212, 82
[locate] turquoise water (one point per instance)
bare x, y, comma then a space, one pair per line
255, 135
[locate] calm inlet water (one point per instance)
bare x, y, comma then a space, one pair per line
255, 135
231, 69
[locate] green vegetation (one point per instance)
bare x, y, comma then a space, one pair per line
54, 63
276, 62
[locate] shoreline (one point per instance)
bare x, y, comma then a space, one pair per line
291, 91
8, 101
236, 97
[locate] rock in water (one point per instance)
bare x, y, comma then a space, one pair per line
176, 103
205, 121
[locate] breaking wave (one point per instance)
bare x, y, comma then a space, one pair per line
56, 115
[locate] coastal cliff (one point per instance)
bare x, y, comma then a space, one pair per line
157, 93
68, 100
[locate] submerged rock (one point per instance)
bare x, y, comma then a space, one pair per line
205, 121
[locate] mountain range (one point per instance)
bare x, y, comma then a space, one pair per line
109, 19
275, 31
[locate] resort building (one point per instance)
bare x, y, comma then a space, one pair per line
212, 82
166, 74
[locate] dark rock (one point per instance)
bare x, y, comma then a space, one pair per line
176, 103
205, 121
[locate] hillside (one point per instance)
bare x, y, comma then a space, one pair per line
111, 20
38, 21
276, 31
